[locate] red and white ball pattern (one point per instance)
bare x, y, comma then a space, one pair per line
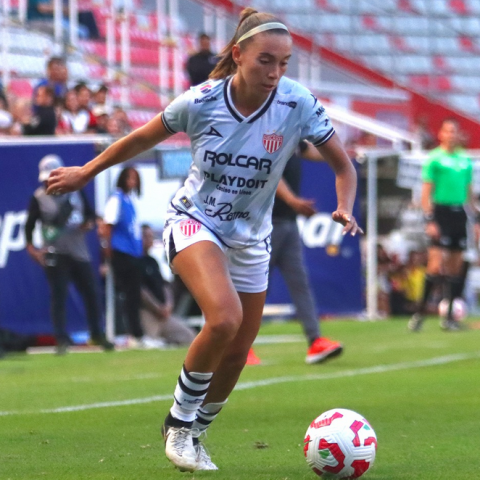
340, 443
459, 309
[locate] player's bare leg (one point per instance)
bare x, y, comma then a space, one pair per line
228, 371
203, 268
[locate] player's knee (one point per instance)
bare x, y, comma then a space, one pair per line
224, 324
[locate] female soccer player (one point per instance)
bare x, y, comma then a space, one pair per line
244, 124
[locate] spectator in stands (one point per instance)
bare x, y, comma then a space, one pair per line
415, 278
6, 118
43, 121
72, 119
113, 127
65, 257
101, 114
124, 250
201, 64
43, 11
100, 95
84, 97
157, 300
2, 94
121, 117
57, 76
21, 113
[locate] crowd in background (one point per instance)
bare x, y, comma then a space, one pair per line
400, 283
59, 108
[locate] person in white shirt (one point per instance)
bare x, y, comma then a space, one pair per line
244, 124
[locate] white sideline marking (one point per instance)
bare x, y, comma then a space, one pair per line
270, 381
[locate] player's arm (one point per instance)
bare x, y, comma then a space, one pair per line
431, 227
310, 152
68, 179
302, 206
426, 199
345, 183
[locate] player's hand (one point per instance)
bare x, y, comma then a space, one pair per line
66, 179
348, 221
432, 230
304, 207
37, 254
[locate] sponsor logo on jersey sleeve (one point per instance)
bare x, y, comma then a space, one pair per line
214, 132
190, 227
272, 142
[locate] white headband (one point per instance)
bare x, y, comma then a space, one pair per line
262, 28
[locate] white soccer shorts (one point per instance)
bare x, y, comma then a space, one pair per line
248, 267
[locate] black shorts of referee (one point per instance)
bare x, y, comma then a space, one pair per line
452, 221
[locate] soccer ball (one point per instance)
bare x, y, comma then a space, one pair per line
340, 443
459, 309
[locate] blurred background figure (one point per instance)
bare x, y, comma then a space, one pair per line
43, 121
73, 119
287, 253
41, 13
122, 123
157, 300
101, 114
447, 189
84, 97
123, 248
6, 118
65, 257
201, 64
100, 95
56, 78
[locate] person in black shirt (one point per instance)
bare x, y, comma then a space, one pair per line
201, 64
156, 312
287, 253
44, 121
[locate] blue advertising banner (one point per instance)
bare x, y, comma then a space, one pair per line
24, 294
334, 263
333, 260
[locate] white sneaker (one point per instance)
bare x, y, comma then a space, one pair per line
204, 462
179, 448
149, 343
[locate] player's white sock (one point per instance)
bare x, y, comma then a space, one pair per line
189, 394
205, 416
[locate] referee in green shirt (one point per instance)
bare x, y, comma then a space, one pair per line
447, 189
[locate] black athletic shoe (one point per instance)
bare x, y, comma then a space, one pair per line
102, 341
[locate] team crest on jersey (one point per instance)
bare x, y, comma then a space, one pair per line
190, 227
272, 142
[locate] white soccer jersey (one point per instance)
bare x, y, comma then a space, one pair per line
238, 161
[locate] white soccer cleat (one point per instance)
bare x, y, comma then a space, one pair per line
179, 448
204, 462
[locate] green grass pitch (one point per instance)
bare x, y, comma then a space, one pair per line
420, 392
